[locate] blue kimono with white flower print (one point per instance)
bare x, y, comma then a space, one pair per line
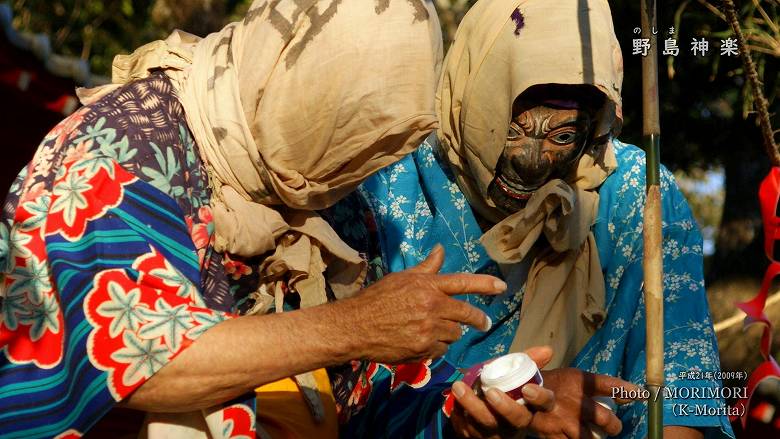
416, 204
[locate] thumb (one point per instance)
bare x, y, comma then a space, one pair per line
432, 264
540, 354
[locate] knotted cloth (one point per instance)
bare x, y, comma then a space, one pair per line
292, 108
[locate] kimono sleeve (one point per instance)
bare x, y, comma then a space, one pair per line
400, 401
100, 291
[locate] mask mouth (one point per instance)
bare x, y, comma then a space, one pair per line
509, 197
514, 190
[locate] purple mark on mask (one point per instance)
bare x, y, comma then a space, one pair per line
519, 20
560, 103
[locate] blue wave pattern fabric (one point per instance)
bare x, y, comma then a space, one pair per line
104, 262
416, 204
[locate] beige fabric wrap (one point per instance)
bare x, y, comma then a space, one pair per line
492, 61
292, 108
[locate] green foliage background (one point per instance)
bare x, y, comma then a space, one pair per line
98, 30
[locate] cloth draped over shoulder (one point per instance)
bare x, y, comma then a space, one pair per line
502, 48
291, 109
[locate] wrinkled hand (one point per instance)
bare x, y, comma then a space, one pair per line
500, 416
574, 408
410, 316
563, 408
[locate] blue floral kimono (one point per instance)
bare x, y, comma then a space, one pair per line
416, 204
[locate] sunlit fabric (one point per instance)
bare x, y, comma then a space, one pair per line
415, 204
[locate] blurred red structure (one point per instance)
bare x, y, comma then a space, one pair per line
37, 90
761, 417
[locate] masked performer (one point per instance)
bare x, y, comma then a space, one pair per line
183, 195
526, 179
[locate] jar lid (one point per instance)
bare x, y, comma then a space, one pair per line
508, 372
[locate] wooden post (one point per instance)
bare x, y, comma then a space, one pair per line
653, 251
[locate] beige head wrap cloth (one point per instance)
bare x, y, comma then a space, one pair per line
292, 108
502, 48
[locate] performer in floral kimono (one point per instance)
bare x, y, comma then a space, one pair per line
183, 196
526, 179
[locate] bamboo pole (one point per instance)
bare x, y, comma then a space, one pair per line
653, 253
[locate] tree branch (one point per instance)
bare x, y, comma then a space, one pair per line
762, 106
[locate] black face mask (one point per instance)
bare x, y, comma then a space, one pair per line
544, 143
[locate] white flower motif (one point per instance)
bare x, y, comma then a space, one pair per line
672, 248
92, 164
122, 309
43, 162
421, 208
14, 306
32, 280
398, 168
638, 314
614, 282
428, 159
42, 318
70, 196
39, 208
166, 322
172, 277
18, 243
395, 206
424, 211
203, 322
18, 182
145, 357
405, 247
497, 350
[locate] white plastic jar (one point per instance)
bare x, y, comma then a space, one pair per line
510, 374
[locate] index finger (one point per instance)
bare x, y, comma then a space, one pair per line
464, 283
461, 312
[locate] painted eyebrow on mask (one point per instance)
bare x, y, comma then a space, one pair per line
568, 121
550, 124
